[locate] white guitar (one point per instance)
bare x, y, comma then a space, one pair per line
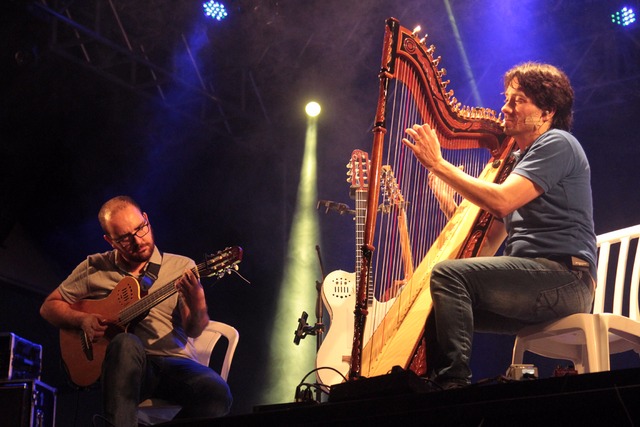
339, 288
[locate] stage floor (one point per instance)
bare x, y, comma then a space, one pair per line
599, 399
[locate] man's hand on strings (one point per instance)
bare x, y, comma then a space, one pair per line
92, 326
426, 146
190, 289
194, 308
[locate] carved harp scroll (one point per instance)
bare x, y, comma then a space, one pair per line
411, 90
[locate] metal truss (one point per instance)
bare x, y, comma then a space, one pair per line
606, 69
122, 43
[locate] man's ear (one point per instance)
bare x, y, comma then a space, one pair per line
107, 239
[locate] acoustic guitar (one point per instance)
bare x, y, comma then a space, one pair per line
124, 306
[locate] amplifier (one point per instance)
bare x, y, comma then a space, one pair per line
27, 403
19, 358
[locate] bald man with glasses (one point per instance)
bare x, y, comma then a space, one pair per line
151, 359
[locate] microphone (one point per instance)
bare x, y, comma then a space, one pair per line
302, 326
532, 120
529, 120
304, 329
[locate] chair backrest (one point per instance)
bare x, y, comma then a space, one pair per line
204, 344
622, 238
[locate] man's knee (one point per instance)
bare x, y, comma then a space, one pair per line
440, 273
125, 345
214, 399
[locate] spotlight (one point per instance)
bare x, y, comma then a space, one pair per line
312, 109
624, 17
214, 10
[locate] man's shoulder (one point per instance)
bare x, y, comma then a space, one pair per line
553, 136
176, 259
559, 136
557, 144
101, 260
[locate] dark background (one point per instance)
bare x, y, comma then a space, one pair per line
204, 125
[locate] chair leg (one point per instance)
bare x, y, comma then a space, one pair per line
603, 343
517, 357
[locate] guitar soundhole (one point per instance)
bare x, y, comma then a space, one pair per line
126, 295
342, 288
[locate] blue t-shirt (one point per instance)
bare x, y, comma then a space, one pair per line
560, 221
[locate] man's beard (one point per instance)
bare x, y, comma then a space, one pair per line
134, 254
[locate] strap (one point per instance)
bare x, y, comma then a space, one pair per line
150, 275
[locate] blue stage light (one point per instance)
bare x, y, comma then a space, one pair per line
624, 17
215, 10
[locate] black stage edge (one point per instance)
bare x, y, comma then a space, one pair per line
599, 399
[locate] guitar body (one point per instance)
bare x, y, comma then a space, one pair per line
84, 360
339, 296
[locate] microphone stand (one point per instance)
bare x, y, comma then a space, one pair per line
319, 303
319, 314
303, 327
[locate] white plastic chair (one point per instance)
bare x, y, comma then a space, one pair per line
588, 340
153, 411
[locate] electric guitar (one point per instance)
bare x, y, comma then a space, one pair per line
83, 358
339, 288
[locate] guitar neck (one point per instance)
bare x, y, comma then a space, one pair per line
142, 306
217, 264
361, 214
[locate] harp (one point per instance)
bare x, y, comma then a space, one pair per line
405, 231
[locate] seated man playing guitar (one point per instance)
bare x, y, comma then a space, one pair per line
137, 354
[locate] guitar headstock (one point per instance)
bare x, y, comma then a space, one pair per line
390, 188
221, 262
358, 169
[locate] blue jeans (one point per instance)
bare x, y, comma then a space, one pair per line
129, 376
495, 294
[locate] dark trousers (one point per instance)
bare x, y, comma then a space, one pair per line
129, 376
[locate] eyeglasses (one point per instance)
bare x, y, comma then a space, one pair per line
127, 239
